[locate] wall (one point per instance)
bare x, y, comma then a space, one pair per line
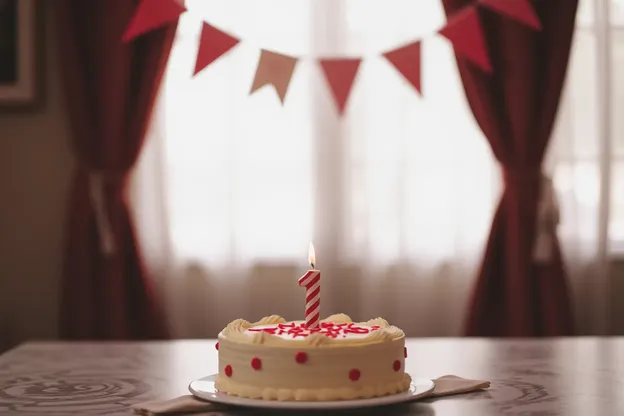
35, 164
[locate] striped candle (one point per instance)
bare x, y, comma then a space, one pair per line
311, 280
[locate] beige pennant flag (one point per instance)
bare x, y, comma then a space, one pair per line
274, 69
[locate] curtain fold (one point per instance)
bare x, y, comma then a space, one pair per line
110, 89
516, 108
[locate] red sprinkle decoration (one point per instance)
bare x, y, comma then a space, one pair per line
354, 375
217, 346
256, 364
405, 352
328, 329
396, 365
228, 370
301, 357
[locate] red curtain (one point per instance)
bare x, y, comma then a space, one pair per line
516, 108
110, 89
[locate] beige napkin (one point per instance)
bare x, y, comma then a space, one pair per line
444, 386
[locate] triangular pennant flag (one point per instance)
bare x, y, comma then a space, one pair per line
466, 34
519, 10
152, 14
406, 60
340, 75
213, 43
274, 69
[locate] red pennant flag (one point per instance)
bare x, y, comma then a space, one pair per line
519, 10
466, 34
406, 60
212, 45
340, 75
152, 14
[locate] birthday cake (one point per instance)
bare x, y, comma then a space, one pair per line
288, 361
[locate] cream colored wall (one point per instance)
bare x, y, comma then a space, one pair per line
35, 165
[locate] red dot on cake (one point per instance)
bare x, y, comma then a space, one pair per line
217, 346
354, 375
228, 370
405, 352
301, 357
396, 365
256, 364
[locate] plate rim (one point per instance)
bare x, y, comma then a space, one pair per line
322, 405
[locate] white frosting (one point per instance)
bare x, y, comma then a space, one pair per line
274, 330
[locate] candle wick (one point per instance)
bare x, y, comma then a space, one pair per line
312, 264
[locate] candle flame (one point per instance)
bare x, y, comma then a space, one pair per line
311, 255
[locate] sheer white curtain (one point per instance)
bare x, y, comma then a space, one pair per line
587, 160
397, 196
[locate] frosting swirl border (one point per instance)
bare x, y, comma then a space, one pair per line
235, 331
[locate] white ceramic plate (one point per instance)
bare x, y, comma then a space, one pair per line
204, 388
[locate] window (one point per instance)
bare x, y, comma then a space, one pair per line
369, 186
249, 180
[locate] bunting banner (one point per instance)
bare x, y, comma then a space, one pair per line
274, 69
466, 34
152, 15
213, 44
406, 60
340, 75
463, 30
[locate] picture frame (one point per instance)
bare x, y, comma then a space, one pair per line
19, 45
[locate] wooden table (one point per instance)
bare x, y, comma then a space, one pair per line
574, 376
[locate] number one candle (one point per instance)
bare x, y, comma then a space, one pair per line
312, 283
